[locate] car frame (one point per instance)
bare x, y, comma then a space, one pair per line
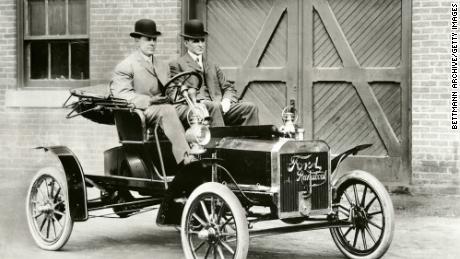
245, 175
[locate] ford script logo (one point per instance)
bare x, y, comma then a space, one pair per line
306, 168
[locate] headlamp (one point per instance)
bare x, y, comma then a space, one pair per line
289, 128
198, 135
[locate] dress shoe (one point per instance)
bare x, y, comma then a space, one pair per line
189, 158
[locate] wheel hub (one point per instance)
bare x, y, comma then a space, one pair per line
47, 208
359, 217
210, 234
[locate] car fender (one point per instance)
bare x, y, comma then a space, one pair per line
335, 162
185, 182
190, 177
75, 181
340, 177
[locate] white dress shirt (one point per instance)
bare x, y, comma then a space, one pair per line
198, 59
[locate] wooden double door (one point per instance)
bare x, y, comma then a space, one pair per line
344, 63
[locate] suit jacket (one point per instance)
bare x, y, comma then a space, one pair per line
136, 80
213, 78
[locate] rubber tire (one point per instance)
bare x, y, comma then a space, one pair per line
125, 196
68, 225
388, 211
235, 207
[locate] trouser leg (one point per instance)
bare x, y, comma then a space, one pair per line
215, 111
242, 113
172, 127
182, 110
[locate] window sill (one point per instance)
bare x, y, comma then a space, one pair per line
36, 98
56, 83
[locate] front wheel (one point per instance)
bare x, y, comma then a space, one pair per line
364, 202
47, 209
214, 224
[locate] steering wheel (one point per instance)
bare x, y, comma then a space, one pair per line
179, 83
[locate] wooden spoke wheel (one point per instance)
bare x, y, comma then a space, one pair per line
214, 224
47, 209
362, 200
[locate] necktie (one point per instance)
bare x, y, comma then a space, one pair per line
150, 61
199, 63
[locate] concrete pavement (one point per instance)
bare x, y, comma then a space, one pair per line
426, 227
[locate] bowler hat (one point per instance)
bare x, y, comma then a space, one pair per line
145, 27
194, 29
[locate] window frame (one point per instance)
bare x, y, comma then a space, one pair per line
23, 68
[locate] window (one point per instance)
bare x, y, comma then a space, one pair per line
55, 45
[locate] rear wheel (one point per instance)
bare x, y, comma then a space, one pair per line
363, 201
123, 196
112, 197
124, 211
47, 209
214, 224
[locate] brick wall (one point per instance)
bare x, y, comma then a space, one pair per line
111, 23
23, 128
435, 147
7, 44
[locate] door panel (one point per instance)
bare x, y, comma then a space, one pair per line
324, 52
341, 119
373, 29
346, 63
270, 98
233, 27
258, 50
355, 81
389, 96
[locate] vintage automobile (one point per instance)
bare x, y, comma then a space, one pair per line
243, 175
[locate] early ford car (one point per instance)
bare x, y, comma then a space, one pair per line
243, 175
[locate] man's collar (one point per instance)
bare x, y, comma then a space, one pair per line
149, 59
194, 56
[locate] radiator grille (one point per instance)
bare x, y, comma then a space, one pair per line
304, 172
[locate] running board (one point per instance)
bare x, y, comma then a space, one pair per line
123, 182
141, 203
297, 228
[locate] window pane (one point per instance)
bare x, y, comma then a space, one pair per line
38, 60
37, 17
77, 16
59, 60
80, 59
56, 12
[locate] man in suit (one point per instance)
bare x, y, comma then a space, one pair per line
216, 93
139, 79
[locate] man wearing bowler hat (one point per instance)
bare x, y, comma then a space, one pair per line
216, 93
139, 79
